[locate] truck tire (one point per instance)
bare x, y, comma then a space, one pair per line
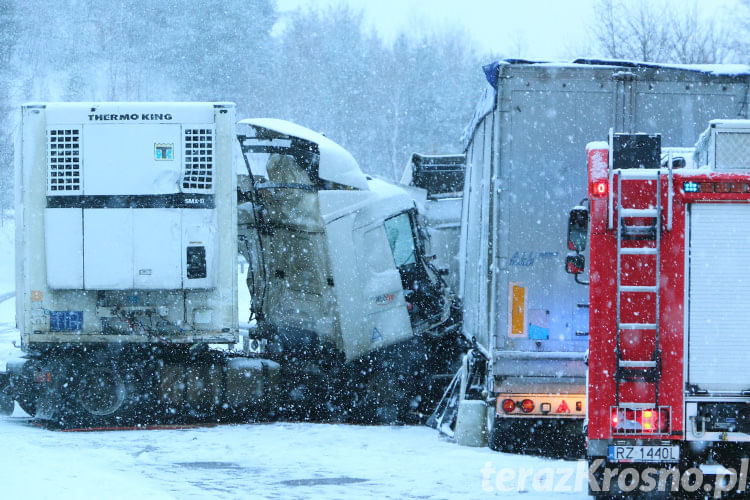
101, 392
100, 395
384, 400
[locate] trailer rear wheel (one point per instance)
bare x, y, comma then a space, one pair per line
101, 392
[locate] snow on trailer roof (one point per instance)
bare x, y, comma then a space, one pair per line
712, 69
336, 163
489, 96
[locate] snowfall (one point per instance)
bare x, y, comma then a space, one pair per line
276, 460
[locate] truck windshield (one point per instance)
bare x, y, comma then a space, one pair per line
401, 238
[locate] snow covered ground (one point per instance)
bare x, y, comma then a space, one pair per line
278, 460
291, 460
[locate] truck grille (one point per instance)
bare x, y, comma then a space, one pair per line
199, 160
63, 161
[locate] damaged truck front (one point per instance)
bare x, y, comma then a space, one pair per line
344, 297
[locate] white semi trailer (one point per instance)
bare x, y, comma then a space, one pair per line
126, 263
127, 240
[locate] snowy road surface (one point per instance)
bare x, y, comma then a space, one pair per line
288, 460
280, 460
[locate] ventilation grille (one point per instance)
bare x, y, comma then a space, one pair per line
64, 161
199, 159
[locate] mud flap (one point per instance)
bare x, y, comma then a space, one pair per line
21, 386
6, 400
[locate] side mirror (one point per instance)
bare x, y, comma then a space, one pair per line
578, 229
575, 263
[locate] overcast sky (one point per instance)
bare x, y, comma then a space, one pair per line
534, 29
513, 28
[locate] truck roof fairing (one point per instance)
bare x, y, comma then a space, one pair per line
335, 163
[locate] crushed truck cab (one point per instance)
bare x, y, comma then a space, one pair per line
338, 272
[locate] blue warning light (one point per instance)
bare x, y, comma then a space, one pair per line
691, 187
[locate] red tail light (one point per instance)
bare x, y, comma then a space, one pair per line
508, 405
527, 406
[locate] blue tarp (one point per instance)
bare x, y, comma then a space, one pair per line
486, 103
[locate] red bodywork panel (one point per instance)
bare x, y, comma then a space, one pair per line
639, 307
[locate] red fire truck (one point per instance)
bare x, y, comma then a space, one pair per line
669, 357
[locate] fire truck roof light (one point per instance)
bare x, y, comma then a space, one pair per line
599, 189
691, 187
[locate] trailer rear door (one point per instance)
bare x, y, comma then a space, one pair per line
719, 297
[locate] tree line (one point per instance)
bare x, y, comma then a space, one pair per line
319, 68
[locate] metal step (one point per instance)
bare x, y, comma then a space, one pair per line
637, 326
638, 251
639, 289
638, 233
638, 212
636, 364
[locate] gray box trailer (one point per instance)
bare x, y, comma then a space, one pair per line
526, 163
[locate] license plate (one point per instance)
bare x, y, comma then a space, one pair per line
670, 453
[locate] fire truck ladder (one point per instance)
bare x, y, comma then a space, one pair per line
647, 370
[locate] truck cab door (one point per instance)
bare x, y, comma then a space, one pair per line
423, 292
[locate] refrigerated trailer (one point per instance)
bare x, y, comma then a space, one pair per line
669, 389
525, 151
117, 200
126, 252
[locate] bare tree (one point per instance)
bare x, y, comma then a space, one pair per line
663, 31
742, 44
